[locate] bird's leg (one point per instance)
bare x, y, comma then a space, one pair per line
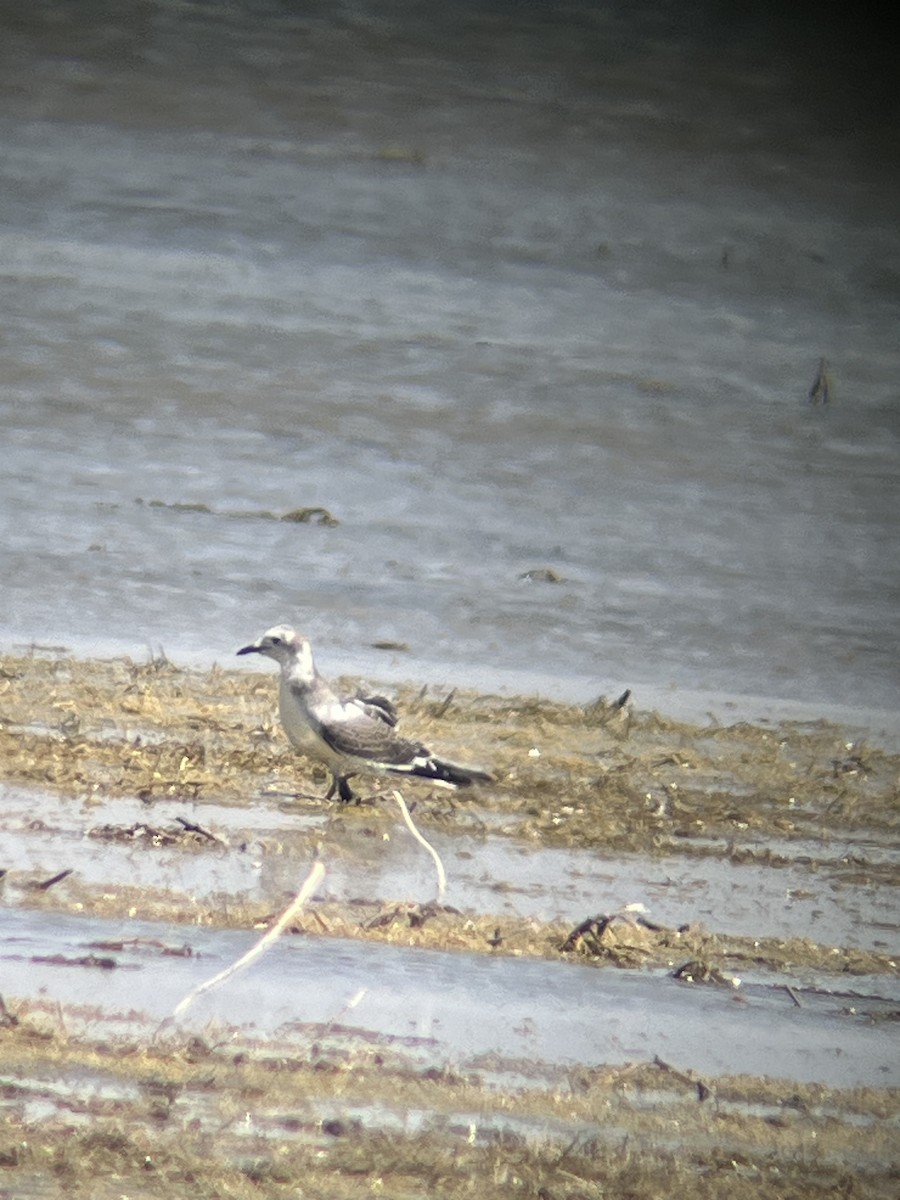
345, 791
341, 785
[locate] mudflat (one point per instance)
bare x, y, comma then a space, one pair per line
667, 952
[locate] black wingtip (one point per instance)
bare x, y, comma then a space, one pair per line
446, 772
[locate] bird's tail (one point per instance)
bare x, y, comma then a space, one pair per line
449, 774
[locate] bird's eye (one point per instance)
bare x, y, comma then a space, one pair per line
276, 641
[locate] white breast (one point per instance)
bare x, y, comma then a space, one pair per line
297, 728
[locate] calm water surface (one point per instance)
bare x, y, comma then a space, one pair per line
504, 291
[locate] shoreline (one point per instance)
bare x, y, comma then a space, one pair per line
121, 742
727, 948
695, 706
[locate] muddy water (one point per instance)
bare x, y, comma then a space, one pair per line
550, 1015
117, 851
531, 305
259, 848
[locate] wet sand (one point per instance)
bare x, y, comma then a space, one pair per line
666, 955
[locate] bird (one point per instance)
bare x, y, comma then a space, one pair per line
351, 735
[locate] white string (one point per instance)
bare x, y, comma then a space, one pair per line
315, 877
442, 878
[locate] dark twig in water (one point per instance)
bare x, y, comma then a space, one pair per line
821, 389
104, 962
590, 925
703, 1091
120, 944
596, 927
45, 884
191, 827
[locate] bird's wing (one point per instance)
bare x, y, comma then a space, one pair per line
351, 732
377, 707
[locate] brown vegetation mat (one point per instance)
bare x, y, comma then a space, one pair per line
567, 775
187, 1117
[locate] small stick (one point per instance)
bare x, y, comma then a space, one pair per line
442, 878
821, 384
193, 827
315, 877
45, 884
702, 1090
8, 1020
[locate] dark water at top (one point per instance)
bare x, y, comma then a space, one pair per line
503, 288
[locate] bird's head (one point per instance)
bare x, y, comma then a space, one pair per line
281, 642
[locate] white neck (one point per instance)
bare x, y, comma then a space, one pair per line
299, 669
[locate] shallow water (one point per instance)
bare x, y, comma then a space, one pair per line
260, 850
437, 1000
435, 1007
500, 295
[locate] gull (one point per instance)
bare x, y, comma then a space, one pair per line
351, 734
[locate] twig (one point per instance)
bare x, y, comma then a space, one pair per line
703, 1091
44, 885
8, 1020
193, 827
821, 388
313, 880
442, 878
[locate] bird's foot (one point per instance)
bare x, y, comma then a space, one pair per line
340, 787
